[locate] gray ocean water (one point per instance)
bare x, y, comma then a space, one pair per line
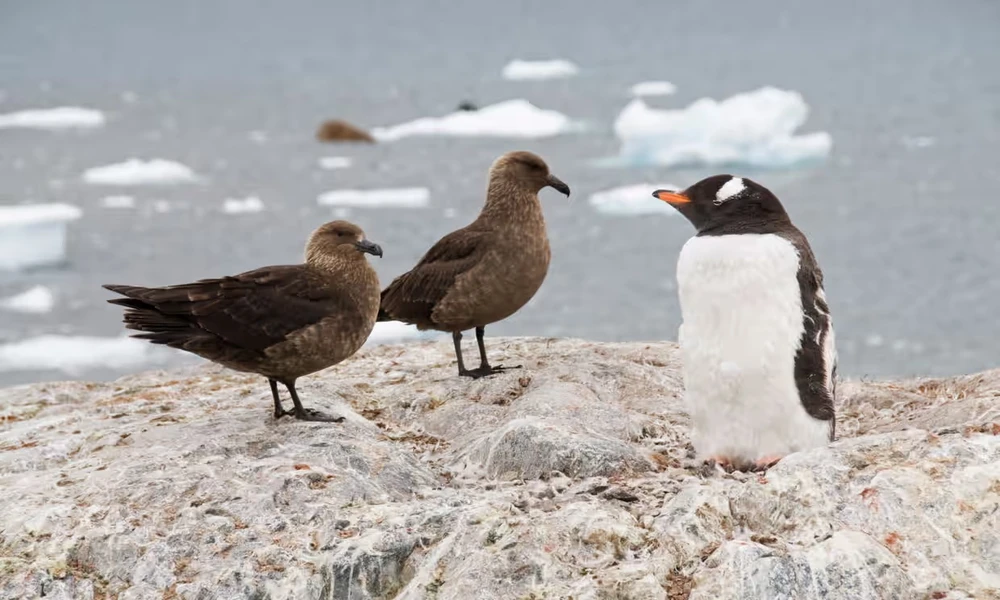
906, 233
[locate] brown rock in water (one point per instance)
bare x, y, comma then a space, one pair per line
282, 322
486, 271
342, 131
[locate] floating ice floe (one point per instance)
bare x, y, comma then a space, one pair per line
75, 354
134, 171
539, 69
34, 235
235, 206
920, 141
874, 340
511, 118
751, 129
393, 332
630, 200
64, 117
118, 202
36, 300
653, 88
394, 197
335, 162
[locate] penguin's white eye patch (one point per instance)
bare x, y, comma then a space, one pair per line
731, 188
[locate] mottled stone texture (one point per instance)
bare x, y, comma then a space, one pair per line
567, 478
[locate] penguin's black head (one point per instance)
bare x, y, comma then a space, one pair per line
727, 204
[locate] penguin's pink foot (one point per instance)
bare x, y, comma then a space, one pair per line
766, 462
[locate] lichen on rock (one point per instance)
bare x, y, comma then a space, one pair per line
570, 477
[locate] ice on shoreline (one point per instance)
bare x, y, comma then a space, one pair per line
394, 332
75, 354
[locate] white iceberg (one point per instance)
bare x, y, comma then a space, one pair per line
135, 171
64, 117
653, 88
395, 197
631, 200
335, 162
118, 202
34, 235
539, 69
236, 206
751, 129
75, 354
511, 118
36, 300
393, 332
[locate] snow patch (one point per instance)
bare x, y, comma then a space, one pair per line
34, 235
335, 162
74, 354
653, 88
235, 206
64, 117
520, 70
118, 202
753, 128
511, 118
395, 197
134, 171
392, 332
631, 200
36, 300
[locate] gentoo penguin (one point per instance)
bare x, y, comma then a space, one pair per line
485, 271
756, 337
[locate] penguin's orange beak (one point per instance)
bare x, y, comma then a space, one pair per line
672, 198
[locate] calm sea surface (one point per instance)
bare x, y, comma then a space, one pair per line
906, 231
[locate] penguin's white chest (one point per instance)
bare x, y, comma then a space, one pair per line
742, 327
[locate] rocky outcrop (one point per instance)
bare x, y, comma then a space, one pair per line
569, 478
342, 131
